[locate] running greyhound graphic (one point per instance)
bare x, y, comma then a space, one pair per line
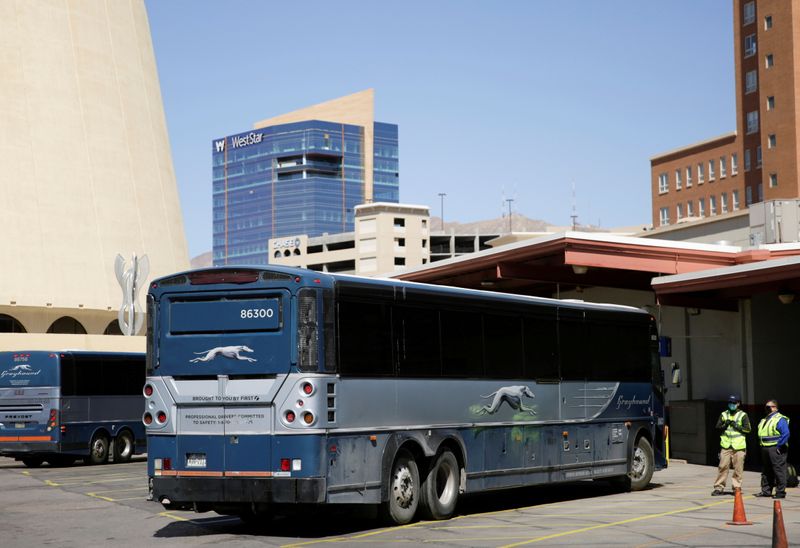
232, 352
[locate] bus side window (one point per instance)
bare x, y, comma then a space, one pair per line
502, 337
420, 353
576, 354
88, 376
462, 344
365, 334
68, 382
541, 348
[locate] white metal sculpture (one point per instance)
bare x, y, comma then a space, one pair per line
130, 316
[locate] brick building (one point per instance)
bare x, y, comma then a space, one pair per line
759, 161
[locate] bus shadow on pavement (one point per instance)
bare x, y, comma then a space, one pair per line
329, 521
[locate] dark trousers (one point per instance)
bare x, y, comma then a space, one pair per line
773, 470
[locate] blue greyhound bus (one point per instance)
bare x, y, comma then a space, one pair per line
280, 386
62, 406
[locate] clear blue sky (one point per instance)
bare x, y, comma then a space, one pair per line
494, 99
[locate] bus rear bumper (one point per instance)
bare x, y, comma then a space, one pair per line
24, 448
184, 491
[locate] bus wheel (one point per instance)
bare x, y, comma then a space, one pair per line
440, 488
98, 450
123, 447
642, 465
403, 490
32, 462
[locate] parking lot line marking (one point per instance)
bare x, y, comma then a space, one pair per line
101, 497
123, 490
615, 523
51, 483
73, 483
173, 516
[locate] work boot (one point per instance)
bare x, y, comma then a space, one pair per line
762, 494
717, 492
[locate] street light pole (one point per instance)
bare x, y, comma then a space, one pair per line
442, 195
509, 200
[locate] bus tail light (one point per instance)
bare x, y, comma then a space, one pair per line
147, 419
167, 463
307, 333
52, 420
308, 417
289, 416
161, 417
286, 465
148, 390
307, 388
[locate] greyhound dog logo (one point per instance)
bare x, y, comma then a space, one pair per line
231, 352
512, 395
21, 367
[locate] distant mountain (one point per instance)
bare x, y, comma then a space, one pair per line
500, 225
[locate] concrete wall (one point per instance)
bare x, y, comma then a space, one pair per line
38, 341
86, 163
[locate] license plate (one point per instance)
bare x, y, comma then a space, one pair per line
196, 460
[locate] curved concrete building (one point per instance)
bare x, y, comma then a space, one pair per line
85, 169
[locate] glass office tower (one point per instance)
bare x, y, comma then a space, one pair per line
296, 178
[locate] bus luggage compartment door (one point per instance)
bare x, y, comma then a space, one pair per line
248, 443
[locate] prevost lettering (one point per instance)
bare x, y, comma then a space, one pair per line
251, 138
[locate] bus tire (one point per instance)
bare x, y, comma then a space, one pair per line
123, 447
98, 449
642, 465
404, 490
439, 492
32, 462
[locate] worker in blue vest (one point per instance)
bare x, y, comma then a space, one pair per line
773, 435
734, 425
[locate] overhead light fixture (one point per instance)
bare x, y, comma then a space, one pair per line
786, 297
487, 283
580, 269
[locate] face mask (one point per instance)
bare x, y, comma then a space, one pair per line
732, 406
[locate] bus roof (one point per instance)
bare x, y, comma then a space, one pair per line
331, 279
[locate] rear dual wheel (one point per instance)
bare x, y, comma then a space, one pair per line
98, 450
123, 447
440, 488
435, 497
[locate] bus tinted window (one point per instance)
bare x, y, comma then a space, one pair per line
541, 348
95, 375
365, 331
462, 344
503, 346
419, 354
576, 354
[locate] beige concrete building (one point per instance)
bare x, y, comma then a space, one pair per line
86, 169
388, 237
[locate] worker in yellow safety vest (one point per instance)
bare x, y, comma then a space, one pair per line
734, 425
773, 435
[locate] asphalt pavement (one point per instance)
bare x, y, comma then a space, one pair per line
84, 506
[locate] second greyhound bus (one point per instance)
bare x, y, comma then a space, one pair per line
67, 405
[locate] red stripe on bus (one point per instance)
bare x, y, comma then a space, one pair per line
26, 438
252, 474
200, 473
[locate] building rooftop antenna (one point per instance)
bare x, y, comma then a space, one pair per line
574, 215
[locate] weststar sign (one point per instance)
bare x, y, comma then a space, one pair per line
251, 138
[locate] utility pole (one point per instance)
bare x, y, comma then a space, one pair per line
509, 200
574, 215
442, 195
